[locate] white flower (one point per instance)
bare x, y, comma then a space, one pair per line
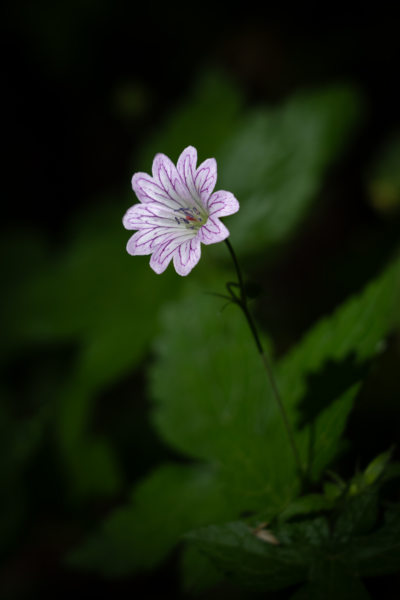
178, 210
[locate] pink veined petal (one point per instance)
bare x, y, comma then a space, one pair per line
165, 175
147, 190
141, 242
187, 256
222, 204
146, 241
163, 254
205, 179
186, 167
142, 216
213, 231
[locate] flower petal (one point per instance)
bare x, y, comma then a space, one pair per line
142, 216
206, 178
162, 255
146, 241
166, 176
148, 190
186, 166
187, 256
199, 181
222, 204
213, 231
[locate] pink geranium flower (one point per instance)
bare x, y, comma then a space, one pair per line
177, 211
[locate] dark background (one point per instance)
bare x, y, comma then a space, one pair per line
68, 65
71, 137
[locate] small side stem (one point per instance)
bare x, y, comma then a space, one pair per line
243, 305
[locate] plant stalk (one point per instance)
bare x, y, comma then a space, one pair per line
243, 303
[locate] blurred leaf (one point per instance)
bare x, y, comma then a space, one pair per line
277, 158
94, 295
305, 505
19, 440
28, 252
377, 467
172, 500
198, 573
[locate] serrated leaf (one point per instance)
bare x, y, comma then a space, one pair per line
356, 328
171, 501
252, 562
214, 402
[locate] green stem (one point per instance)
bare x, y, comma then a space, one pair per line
242, 302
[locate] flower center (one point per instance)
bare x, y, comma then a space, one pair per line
190, 217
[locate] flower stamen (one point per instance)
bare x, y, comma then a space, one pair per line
193, 219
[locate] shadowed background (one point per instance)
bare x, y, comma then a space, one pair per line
302, 111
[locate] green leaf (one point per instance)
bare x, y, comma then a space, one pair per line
255, 563
377, 467
305, 505
358, 328
168, 503
214, 402
306, 551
